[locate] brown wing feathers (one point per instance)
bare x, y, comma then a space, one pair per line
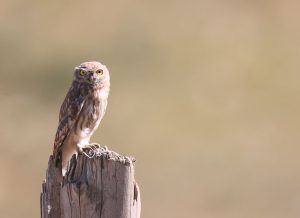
69, 111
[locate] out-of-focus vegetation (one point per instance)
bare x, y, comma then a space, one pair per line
205, 95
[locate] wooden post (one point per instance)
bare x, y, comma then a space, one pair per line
98, 187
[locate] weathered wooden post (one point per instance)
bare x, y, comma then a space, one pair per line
98, 187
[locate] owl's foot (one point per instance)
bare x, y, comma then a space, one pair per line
90, 150
93, 146
88, 154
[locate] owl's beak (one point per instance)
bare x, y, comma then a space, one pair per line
91, 79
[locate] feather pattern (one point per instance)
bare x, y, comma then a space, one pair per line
68, 115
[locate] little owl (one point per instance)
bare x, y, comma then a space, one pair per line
81, 112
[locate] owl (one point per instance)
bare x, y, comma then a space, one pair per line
81, 112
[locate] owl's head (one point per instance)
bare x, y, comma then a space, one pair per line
91, 73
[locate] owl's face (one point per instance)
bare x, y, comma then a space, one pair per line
91, 73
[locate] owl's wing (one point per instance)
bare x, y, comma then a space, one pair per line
69, 112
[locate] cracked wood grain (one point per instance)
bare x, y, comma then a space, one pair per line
98, 187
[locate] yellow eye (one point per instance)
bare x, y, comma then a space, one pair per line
82, 72
99, 72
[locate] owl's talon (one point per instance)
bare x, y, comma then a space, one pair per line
91, 149
94, 146
87, 155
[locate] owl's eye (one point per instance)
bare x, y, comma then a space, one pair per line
99, 72
82, 72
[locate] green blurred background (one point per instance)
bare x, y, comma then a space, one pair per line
205, 95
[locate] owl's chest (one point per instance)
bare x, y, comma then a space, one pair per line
89, 118
91, 112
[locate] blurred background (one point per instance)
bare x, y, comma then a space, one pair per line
205, 95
